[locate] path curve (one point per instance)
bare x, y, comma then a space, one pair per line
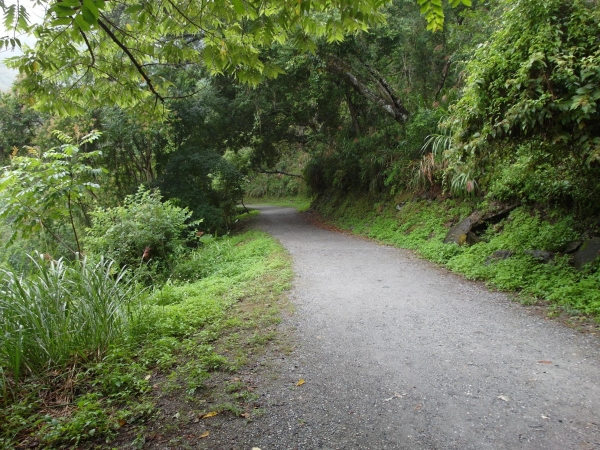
397, 353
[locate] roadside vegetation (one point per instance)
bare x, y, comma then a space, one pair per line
523, 252
89, 352
134, 136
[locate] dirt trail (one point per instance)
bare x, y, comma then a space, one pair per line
399, 354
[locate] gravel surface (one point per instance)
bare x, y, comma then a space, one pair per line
397, 353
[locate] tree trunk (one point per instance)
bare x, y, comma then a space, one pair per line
353, 114
389, 103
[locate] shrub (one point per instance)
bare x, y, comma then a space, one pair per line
124, 233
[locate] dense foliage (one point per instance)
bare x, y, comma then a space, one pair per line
42, 193
59, 312
79, 373
527, 122
143, 231
152, 123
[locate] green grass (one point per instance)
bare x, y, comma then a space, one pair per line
199, 326
301, 203
422, 226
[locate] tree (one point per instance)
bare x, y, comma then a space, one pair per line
118, 47
18, 125
39, 192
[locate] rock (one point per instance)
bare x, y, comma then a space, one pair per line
587, 253
571, 247
542, 256
472, 238
399, 206
502, 254
427, 195
499, 255
477, 222
458, 233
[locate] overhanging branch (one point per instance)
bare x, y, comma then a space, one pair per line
280, 172
388, 103
134, 61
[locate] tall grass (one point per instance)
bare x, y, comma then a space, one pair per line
58, 312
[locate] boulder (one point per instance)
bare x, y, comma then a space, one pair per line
472, 238
499, 255
465, 232
542, 256
587, 253
458, 234
571, 247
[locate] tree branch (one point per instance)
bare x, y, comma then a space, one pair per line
445, 72
89, 47
387, 89
279, 172
390, 106
137, 65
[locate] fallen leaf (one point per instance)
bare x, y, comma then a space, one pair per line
210, 414
544, 362
122, 423
245, 415
418, 407
396, 395
147, 377
205, 434
504, 397
300, 382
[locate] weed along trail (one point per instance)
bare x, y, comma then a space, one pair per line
392, 352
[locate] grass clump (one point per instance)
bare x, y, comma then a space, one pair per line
423, 225
59, 312
171, 342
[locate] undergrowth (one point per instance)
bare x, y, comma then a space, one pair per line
423, 225
300, 202
179, 336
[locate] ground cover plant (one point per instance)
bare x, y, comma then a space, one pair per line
171, 338
301, 203
422, 225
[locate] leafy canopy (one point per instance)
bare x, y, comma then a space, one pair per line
122, 48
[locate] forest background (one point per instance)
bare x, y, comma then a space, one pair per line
134, 132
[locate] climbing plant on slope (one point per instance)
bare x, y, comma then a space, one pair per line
532, 100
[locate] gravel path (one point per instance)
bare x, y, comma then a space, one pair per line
397, 353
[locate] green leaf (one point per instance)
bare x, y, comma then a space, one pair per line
9, 16
90, 12
63, 11
238, 6
83, 24
61, 21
